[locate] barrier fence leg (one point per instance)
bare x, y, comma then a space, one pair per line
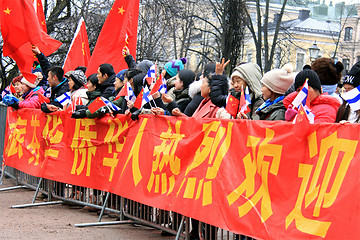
2, 173
178, 235
37, 190
104, 206
33, 204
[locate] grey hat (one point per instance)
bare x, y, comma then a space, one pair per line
79, 77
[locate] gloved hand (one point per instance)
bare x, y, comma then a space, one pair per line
9, 99
78, 107
290, 114
15, 105
79, 114
135, 115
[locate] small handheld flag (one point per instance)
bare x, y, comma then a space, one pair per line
232, 105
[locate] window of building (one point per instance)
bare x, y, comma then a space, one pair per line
346, 63
348, 33
300, 61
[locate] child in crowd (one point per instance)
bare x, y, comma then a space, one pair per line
77, 82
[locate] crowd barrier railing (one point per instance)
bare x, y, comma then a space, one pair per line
128, 211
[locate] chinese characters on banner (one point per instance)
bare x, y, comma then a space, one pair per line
250, 177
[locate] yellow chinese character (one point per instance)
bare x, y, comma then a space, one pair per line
134, 154
52, 135
16, 138
112, 138
165, 155
312, 188
34, 146
81, 145
254, 163
212, 149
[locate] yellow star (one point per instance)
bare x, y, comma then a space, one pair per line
302, 112
43, 23
7, 11
121, 10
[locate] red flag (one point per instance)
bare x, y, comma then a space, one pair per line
12, 89
120, 25
157, 85
96, 104
42, 98
79, 51
20, 30
232, 105
40, 14
139, 98
122, 93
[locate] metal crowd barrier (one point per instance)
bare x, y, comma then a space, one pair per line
127, 211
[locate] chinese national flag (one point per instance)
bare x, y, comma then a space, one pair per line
157, 85
43, 99
122, 93
96, 104
40, 14
120, 26
138, 101
79, 51
232, 105
20, 30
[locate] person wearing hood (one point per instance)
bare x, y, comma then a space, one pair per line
106, 78
246, 74
275, 83
323, 106
346, 112
181, 90
30, 95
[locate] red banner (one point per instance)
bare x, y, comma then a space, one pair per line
268, 180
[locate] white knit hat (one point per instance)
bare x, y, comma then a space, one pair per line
279, 80
29, 84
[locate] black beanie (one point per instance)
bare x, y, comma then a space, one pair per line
307, 73
187, 77
353, 76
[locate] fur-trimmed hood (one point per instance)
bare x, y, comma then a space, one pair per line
195, 88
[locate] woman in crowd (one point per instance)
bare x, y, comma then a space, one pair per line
351, 81
246, 74
323, 106
77, 82
30, 96
181, 91
275, 83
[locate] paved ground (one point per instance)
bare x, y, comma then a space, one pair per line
57, 221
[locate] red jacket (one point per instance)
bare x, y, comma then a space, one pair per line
324, 107
31, 100
206, 109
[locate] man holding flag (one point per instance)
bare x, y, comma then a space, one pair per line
60, 95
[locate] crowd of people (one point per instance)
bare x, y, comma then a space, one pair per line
202, 95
